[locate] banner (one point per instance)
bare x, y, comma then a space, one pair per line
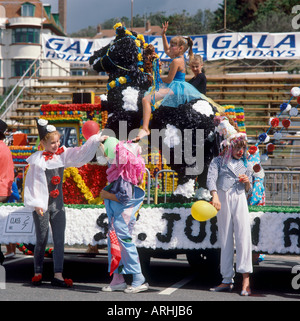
71, 49
253, 46
211, 47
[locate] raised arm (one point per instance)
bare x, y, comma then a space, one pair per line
164, 37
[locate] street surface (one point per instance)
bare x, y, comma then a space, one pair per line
169, 280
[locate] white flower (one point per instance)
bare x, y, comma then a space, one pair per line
50, 128
203, 194
172, 136
103, 97
186, 189
42, 122
294, 112
203, 107
130, 98
295, 91
277, 136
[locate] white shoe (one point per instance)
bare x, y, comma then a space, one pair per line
117, 287
140, 288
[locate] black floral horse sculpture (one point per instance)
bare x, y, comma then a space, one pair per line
185, 135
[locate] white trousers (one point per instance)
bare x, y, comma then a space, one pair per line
234, 230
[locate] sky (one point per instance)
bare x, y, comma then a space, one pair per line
84, 13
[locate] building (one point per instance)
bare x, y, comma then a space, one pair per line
147, 30
22, 23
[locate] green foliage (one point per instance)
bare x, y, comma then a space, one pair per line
241, 15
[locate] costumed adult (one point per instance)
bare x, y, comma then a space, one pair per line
7, 171
229, 179
123, 198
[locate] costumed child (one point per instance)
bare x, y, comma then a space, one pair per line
174, 90
199, 79
43, 194
229, 181
123, 198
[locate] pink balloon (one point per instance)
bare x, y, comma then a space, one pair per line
90, 128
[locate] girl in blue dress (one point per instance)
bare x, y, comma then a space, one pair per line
174, 90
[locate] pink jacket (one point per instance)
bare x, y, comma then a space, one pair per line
6, 170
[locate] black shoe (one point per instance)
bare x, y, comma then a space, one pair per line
66, 283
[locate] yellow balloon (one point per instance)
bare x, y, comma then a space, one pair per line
203, 211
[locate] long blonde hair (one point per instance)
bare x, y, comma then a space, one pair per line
186, 42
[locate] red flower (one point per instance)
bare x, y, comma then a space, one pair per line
54, 193
55, 180
286, 123
270, 148
274, 122
252, 150
256, 168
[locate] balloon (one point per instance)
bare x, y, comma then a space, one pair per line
109, 146
203, 211
90, 128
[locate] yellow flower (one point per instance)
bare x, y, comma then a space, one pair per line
112, 84
138, 43
127, 32
141, 37
122, 80
117, 25
140, 57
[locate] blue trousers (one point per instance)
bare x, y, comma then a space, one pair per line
122, 219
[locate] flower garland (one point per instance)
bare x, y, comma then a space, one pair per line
85, 185
117, 82
21, 153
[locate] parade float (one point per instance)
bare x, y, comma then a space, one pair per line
165, 228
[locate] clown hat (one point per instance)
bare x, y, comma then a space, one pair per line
44, 128
229, 133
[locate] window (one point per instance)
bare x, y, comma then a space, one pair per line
27, 10
68, 136
77, 72
26, 35
19, 66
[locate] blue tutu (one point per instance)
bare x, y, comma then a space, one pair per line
178, 91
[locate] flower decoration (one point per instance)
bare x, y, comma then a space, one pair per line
293, 112
256, 168
295, 91
54, 193
252, 150
286, 123
274, 121
83, 185
270, 147
285, 107
55, 180
117, 25
277, 135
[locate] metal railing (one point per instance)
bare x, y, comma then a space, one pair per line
20, 86
282, 188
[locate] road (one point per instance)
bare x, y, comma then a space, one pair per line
171, 280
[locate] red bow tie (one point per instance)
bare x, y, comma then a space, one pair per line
49, 155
